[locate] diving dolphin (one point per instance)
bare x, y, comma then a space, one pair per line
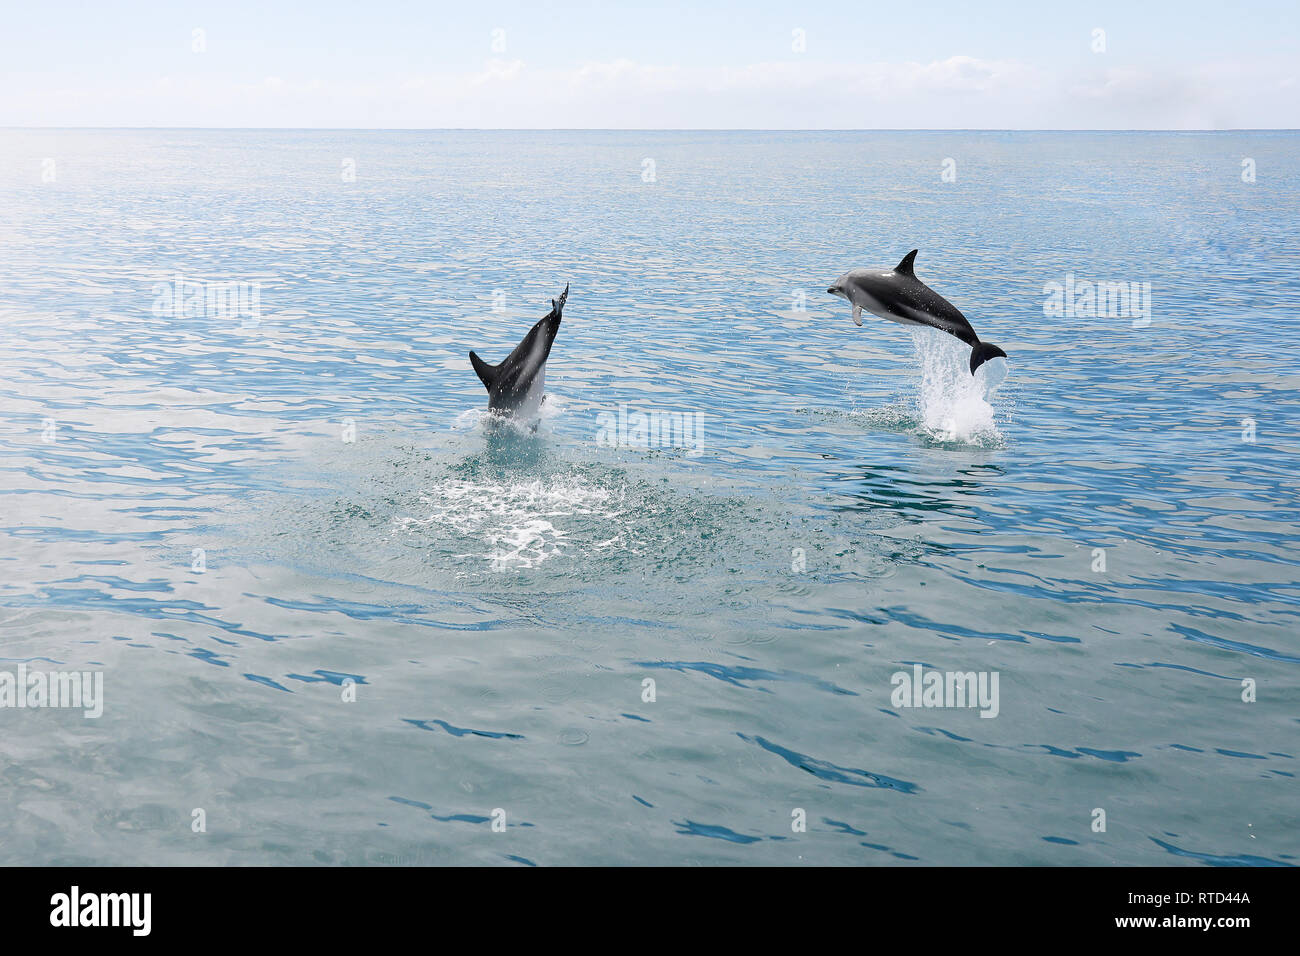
898, 295
515, 386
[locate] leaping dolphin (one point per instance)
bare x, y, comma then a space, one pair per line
515, 387
898, 295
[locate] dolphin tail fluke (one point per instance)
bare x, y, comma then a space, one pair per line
982, 352
487, 373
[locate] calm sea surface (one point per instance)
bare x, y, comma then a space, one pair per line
341, 619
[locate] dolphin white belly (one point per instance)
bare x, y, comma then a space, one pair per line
531, 406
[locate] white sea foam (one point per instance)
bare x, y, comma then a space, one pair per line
519, 524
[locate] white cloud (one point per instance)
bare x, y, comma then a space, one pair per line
957, 92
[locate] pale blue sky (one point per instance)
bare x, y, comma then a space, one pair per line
700, 64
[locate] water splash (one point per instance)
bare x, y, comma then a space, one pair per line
480, 418
955, 407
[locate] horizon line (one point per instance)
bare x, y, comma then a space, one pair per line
680, 129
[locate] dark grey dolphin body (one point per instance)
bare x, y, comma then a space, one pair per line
898, 295
516, 386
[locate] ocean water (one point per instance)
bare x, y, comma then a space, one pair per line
341, 618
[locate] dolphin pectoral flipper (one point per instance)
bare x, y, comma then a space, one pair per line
857, 315
487, 373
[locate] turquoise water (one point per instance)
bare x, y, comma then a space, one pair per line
352, 623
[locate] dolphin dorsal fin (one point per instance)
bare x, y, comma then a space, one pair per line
486, 373
905, 267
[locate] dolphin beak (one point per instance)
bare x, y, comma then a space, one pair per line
832, 290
